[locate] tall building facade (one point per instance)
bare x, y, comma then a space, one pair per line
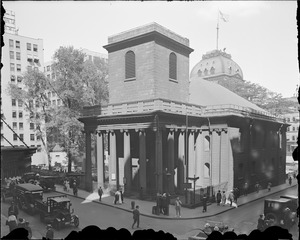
19, 54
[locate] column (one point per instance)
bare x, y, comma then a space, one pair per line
112, 159
170, 178
159, 161
88, 162
181, 164
127, 161
191, 155
100, 159
142, 159
215, 145
199, 160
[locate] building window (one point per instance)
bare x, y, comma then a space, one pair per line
22, 137
20, 114
12, 67
38, 137
11, 55
205, 72
230, 70
14, 125
212, 70
20, 103
17, 44
18, 56
21, 126
11, 43
31, 126
31, 137
29, 68
293, 138
12, 78
58, 102
53, 102
48, 68
53, 75
206, 170
199, 73
29, 46
49, 94
13, 102
2, 138
294, 119
129, 65
35, 47
206, 143
18, 67
15, 137
173, 66
19, 79
14, 114
293, 128
1, 125
48, 76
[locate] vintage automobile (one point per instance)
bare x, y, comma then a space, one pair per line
294, 201
57, 211
47, 183
7, 191
29, 177
26, 196
275, 211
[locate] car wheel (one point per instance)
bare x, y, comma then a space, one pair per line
272, 218
76, 221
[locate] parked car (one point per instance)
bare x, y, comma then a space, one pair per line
47, 182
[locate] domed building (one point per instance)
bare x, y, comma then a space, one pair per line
217, 65
167, 132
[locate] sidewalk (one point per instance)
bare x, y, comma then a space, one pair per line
186, 213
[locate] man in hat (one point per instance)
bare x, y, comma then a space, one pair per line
100, 192
50, 232
12, 222
21, 223
13, 209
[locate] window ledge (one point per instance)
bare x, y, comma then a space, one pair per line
129, 79
173, 80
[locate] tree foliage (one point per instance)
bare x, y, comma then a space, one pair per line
271, 101
78, 83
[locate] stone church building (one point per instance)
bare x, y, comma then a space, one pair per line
166, 128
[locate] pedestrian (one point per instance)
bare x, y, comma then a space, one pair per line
290, 180
161, 207
13, 209
261, 223
12, 222
164, 203
68, 185
245, 188
257, 187
231, 197
65, 185
28, 228
223, 198
204, 201
136, 217
178, 204
121, 196
269, 187
21, 223
116, 197
158, 203
50, 232
75, 189
100, 192
219, 197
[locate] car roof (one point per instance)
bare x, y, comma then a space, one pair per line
60, 199
289, 196
278, 200
48, 176
29, 187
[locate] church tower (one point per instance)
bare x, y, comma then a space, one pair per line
148, 62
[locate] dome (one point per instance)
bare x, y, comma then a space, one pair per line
206, 93
215, 63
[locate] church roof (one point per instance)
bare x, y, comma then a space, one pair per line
215, 63
206, 93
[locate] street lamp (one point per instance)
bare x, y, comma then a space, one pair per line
168, 174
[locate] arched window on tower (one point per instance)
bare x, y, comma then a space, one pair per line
130, 65
205, 72
173, 66
206, 143
230, 70
212, 70
206, 170
199, 73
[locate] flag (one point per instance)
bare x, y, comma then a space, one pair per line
224, 17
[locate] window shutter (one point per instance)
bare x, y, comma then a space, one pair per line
129, 65
173, 66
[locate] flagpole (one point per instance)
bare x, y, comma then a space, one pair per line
218, 29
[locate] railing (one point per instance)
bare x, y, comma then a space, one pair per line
175, 107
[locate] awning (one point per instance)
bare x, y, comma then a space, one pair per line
29, 58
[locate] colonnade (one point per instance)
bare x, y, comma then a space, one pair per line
157, 159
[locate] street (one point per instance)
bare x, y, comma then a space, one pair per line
242, 219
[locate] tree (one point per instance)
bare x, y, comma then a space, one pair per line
259, 95
35, 102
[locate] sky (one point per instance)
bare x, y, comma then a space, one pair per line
261, 36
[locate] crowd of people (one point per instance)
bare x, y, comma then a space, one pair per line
162, 203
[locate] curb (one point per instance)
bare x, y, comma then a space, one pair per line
182, 218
